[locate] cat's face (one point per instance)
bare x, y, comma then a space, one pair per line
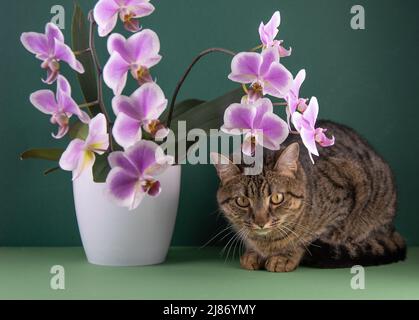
266, 205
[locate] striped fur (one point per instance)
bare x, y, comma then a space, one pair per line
336, 213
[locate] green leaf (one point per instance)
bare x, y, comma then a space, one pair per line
182, 107
101, 168
79, 130
80, 42
44, 154
207, 115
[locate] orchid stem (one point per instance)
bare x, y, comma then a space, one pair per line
79, 53
89, 104
185, 76
257, 48
99, 77
280, 104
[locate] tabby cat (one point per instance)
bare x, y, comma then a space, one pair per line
336, 213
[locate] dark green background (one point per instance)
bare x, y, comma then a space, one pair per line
366, 79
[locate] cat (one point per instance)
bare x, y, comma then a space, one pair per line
335, 213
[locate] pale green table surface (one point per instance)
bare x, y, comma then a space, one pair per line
192, 273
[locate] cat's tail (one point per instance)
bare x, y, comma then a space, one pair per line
377, 250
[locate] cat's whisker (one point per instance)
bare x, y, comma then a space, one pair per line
214, 237
228, 245
298, 237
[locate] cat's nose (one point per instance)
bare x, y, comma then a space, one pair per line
262, 225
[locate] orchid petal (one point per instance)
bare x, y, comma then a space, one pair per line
298, 121
238, 116
71, 156
52, 32
143, 155
62, 131
322, 139
269, 31
126, 105
278, 81
64, 53
126, 130
118, 159
44, 101
262, 107
132, 25
36, 43
141, 8
311, 113
155, 189
150, 101
63, 86
106, 16
245, 67
144, 48
269, 56
283, 53
115, 73
123, 189
275, 131
308, 138
86, 162
98, 138
248, 146
117, 43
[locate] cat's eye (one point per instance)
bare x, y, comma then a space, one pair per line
243, 202
277, 198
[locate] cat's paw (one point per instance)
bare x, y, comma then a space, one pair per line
251, 261
281, 264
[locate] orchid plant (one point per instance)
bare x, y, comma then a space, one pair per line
125, 153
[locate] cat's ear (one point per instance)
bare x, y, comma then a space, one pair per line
287, 163
225, 168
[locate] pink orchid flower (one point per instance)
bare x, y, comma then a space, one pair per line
263, 71
258, 123
137, 54
60, 106
269, 32
51, 49
133, 174
295, 103
80, 155
306, 125
106, 14
141, 110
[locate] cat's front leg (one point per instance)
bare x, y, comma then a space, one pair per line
252, 261
284, 262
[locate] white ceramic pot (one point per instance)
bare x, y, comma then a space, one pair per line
115, 236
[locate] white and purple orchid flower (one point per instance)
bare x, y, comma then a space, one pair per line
51, 49
80, 155
295, 103
139, 111
258, 123
263, 71
310, 135
137, 54
60, 106
269, 32
106, 13
134, 172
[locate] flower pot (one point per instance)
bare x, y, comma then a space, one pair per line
115, 236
